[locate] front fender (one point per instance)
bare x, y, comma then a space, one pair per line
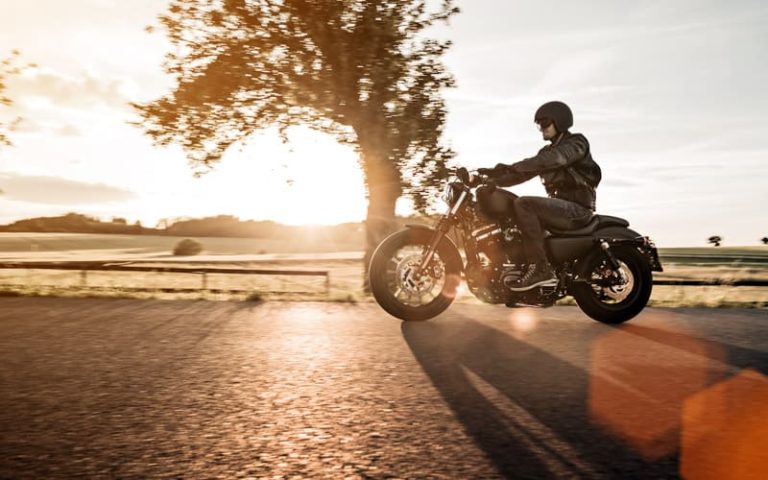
446, 244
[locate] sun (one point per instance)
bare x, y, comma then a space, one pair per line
312, 180
322, 182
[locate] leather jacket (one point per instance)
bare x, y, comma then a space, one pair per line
566, 168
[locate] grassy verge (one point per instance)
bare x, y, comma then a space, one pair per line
126, 293
663, 296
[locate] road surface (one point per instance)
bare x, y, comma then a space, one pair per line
100, 388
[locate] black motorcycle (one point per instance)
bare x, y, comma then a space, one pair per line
415, 273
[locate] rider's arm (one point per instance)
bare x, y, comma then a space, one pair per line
567, 152
507, 176
570, 150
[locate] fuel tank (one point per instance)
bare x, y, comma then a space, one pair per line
496, 203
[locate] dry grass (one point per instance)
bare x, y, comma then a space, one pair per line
709, 297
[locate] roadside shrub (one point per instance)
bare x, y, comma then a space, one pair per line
187, 247
254, 297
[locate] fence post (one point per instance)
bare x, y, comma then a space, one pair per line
327, 283
205, 281
83, 278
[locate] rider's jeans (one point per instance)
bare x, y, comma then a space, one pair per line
533, 213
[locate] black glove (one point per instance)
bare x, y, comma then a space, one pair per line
495, 172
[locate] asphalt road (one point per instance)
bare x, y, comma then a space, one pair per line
98, 388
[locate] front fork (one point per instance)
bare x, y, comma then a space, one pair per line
440, 231
426, 255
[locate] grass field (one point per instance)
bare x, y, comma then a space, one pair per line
342, 260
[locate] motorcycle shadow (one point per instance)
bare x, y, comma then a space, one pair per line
528, 410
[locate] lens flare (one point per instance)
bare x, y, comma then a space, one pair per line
452, 286
725, 431
523, 321
641, 378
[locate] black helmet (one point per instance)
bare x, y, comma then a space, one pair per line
557, 113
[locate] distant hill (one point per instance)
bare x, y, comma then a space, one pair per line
75, 223
218, 226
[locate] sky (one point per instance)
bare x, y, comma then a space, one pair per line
670, 95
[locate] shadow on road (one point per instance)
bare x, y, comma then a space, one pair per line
530, 411
734, 355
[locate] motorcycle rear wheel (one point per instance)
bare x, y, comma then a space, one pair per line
398, 291
618, 303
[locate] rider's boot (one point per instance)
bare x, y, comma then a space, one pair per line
538, 275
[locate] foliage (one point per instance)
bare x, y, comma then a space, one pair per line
360, 70
764, 240
70, 223
218, 226
222, 225
255, 297
715, 239
9, 66
187, 247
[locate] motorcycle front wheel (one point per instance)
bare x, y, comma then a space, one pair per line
396, 286
611, 296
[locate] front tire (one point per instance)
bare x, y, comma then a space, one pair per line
394, 286
607, 299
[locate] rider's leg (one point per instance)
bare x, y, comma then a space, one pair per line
531, 212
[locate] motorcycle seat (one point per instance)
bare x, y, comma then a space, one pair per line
595, 223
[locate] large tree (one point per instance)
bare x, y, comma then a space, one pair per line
361, 70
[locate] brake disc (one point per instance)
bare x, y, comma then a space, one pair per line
621, 283
425, 282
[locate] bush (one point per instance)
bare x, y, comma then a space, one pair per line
254, 297
187, 247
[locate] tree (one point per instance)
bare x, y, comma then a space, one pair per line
9, 66
764, 240
361, 70
715, 239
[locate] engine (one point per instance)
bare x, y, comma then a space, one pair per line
499, 254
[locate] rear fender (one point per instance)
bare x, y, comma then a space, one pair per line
624, 236
616, 232
446, 244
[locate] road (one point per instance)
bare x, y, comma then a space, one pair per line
104, 388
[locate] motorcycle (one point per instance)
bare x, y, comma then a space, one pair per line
415, 273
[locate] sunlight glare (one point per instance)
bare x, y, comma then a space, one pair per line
523, 321
313, 180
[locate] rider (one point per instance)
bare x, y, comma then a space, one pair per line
570, 177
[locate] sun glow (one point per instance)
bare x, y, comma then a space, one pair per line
312, 180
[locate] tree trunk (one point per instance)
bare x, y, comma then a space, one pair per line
379, 222
383, 181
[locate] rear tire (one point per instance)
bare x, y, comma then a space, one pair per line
619, 303
392, 285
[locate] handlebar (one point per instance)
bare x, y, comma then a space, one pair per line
476, 179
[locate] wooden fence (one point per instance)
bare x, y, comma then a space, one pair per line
85, 267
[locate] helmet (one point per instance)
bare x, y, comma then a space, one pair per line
556, 112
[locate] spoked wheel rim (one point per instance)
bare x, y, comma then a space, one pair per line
407, 287
612, 287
